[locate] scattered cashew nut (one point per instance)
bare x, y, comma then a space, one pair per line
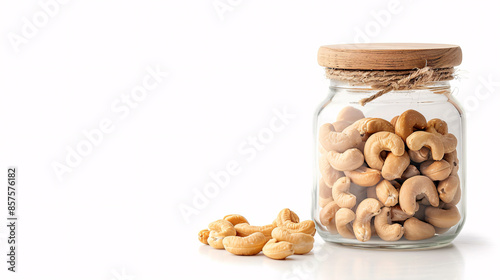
278, 250
245, 246
235, 219
219, 230
203, 236
245, 229
302, 243
285, 220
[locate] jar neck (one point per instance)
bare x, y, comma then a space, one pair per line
432, 86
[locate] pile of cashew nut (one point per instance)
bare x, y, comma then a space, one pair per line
286, 236
401, 173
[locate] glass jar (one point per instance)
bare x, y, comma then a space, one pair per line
389, 173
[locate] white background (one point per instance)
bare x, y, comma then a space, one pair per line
116, 215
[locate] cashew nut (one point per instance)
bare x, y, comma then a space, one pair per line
413, 187
408, 122
418, 230
440, 128
386, 193
382, 141
419, 139
384, 227
286, 220
219, 230
245, 246
244, 229
350, 114
343, 219
448, 188
278, 250
327, 214
452, 159
436, 170
341, 194
346, 161
411, 171
420, 155
394, 166
337, 141
203, 236
325, 194
329, 174
235, 219
367, 209
437, 126
445, 217
302, 243
398, 215
364, 176
369, 126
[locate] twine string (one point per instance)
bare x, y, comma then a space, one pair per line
387, 81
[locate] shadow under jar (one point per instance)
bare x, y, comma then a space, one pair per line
389, 147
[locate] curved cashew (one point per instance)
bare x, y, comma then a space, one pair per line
436, 170
341, 194
367, 209
343, 219
394, 166
286, 220
348, 160
387, 193
448, 188
219, 230
413, 187
244, 229
235, 219
384, 227
398, 215
452, 159
329, 174
302, 243
445, 217
245, 246
408, 122
418, 230
420, 155
337, 141
419, 139
278, 250
382, 141
411, 171
203, 236
327, 214
350, 114
437, 126
369, 126
364, 176
440, 128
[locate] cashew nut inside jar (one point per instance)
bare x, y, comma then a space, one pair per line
389, 147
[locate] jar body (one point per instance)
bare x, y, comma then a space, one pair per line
339, 176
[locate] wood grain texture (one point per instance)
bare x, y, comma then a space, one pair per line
389, 56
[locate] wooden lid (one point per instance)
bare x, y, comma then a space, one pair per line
389, 56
